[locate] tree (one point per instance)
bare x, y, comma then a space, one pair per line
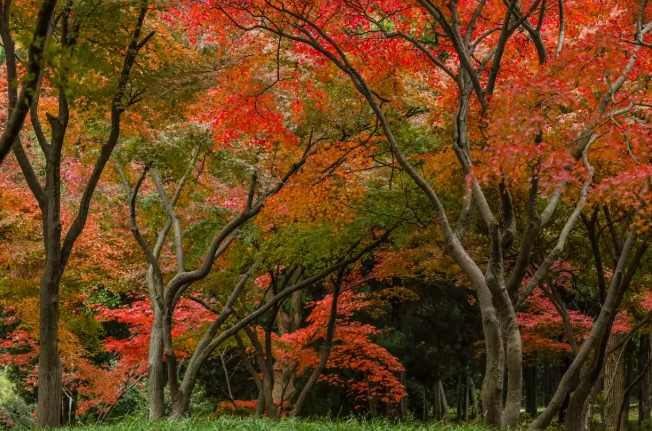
342, 33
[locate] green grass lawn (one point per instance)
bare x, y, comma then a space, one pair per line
227, 423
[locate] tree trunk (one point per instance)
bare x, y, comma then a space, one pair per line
461, 395
514, 358
260, 402
629, 376
466, 395
442, 399
425, 405
49, 369
69, 408
325, 348
284, 388
404, 401
180, 405
474, 398
179, 399
439, 404
436, 402
619, 284
155, 381
546, 384
492, 385
645, 385
287, 322
580, 406
531, 390
615, 383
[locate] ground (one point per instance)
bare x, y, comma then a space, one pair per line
247, 424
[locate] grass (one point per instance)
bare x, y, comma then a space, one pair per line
230, 423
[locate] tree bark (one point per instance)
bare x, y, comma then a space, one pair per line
436, 401
580, 406
49, 370
155, 381
623, 274
531, 390
615, 383
404, 401
440, 406
645, 385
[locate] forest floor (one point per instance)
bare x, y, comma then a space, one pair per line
228, 423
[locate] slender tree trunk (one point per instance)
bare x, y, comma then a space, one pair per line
546, 384
460, 397
442, 399
440, 406
326, 347
615, 383
155, 381
645, 385
474, 398
466, 395
404, 401
580, 406
425, 404
260, 402
436, 401
531, 390
629, 376
69, 408
621, 279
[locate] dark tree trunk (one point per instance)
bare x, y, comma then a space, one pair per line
645, 385
49, 370
466, 395
460, 396
563, 410
474, 398
425, 405
404, 401
546, 384
325, 348
531, 390
629, 376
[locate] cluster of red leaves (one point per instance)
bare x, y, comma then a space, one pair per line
188, 321
353, 350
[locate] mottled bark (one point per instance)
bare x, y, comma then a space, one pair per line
615, 383
155, 381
